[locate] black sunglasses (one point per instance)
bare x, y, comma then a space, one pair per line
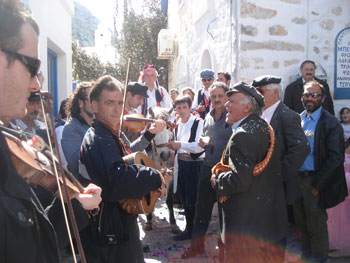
32, 64
315, 95
208, 79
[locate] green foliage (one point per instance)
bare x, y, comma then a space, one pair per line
137, 40
139, 37
87, 68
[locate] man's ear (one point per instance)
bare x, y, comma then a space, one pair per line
247, 107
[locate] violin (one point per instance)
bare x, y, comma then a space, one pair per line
35, 168
137, 122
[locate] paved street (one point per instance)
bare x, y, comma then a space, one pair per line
161, 248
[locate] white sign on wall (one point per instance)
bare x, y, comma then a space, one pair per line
342, 65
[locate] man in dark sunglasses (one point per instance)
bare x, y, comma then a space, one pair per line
201, 102
25, 228
321, 177
32, 64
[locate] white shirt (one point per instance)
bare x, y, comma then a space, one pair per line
152, 102
184, 133
267, 114
195, 99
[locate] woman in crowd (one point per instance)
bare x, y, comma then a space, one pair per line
339, 217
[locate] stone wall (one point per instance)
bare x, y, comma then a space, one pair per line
254, 37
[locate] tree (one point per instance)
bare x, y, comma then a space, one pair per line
87, 68
138, 38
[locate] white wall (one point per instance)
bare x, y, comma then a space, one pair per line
255, 37
54, 18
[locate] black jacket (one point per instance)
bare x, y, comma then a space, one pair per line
329, 176
293, 92
102, 153
256, 205
20, 216
294, 148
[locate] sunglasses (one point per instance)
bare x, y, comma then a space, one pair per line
315, 95
32, 64
208, 79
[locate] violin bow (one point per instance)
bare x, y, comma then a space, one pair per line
124, 98
69, 204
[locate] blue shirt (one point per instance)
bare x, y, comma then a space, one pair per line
308, 123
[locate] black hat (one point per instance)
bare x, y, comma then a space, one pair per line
34, 96
137, 88
265, 80
247, 90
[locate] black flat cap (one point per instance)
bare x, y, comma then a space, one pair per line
264, 80
137, 88
34, 96
247, 90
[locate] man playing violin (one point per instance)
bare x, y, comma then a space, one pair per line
116, 234
135, 96
26, 234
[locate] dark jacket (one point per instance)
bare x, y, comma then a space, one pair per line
102, 154
27, 231
293, 92
294, 148
255, 206
20, 215
329, 176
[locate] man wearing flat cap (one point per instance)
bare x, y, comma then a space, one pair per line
136, 93
201, 102
293, 144
249, 185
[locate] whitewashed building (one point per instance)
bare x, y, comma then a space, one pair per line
55, 44
248, 38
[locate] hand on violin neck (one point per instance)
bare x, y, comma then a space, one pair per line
91, 197
157, 126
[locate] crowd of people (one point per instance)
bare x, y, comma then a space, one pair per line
268, 163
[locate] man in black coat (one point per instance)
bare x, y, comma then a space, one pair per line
249, 187
295, 89
116, 233
294, 147
321, 177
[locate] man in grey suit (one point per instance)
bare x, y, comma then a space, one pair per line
293, 144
